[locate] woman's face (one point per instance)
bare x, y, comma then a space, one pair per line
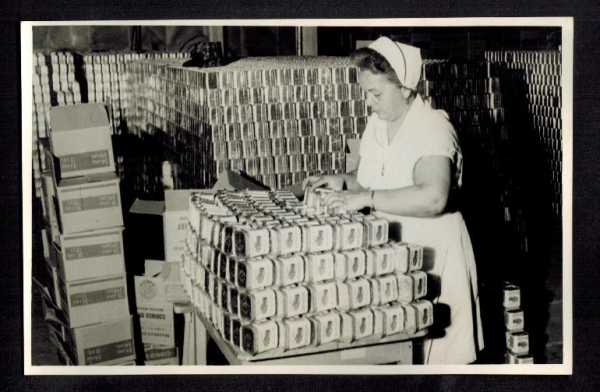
383, 96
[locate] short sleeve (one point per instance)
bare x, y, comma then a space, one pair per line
438, 138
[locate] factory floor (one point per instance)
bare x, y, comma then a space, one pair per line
45, 354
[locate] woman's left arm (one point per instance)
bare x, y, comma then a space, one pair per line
427, 197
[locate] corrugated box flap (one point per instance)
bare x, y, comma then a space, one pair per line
74, 117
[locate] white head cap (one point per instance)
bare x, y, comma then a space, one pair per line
404, 59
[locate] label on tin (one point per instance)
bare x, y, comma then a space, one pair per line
108, 352
84, 161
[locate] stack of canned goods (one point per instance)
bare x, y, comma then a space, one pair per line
54, 84
539, 73
517, 340
107, 77
278, 119
271, 273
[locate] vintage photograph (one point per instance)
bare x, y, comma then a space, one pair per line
389, 196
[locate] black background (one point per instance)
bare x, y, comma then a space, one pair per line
586, 186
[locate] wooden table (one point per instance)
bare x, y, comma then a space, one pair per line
375, 350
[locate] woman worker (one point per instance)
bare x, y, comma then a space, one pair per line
410, 165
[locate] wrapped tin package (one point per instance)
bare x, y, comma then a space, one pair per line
297, 333
292, 301
362, 321
326, 327
257, 305
260, 337
323, 297
514, 320
288, 270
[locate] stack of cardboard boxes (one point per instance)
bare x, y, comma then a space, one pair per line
84, 241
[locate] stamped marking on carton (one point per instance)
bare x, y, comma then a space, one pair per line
94, 297
90, 203
108, 352
89, 251
84, 161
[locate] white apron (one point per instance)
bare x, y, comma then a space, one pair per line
448, 251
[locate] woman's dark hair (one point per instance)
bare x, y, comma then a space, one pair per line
367, 59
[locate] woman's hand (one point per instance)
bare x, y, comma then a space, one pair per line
335, 182
351, 200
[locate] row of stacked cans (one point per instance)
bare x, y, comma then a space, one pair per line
517, 340
470, 94
107, 78
53, 84
255, 107
541, 72
269, 273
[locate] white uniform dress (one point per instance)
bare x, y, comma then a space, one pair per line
448, 251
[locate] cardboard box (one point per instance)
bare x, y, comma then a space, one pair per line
104, 343
155, 355
156, 314
89, 203
175, 221
94, 301
81, 140
91, 254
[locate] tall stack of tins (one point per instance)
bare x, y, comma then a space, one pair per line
517, 340
53, 84
86, 243
470, 94
539, 72
276, 119
107, 79
270, 273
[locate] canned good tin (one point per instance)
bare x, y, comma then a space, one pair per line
326, 328
512, 297
317, 238
288, 270
260, 337
297, 333
383, 260
254, 273
285, 240
347, 235
393, 319
323, 297
410, 319
292, 301
355, 263
257, 305
424, 310
319, 267
362, 321
518, 342
406, 289
388, 288
375, 232
514, 320
251, 242
420, 284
